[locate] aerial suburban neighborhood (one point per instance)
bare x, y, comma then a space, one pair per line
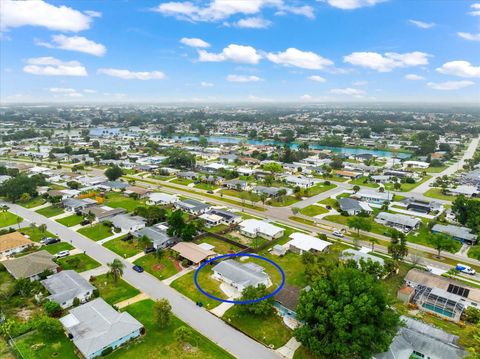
251, 179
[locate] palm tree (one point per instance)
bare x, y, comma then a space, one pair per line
42, 228
4, 210
19, 220
116, 269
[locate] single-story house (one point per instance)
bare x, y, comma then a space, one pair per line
462, 234
115, 186
300, 181
278, 250
417, 340
373, 197
187, 175
380, 178
161, 199
12, 243
104, 213
347, 174
128, 223
157, 234
211, 220
288, 297
236, 184
353, 207
271, 191
140, 191
30, 265
241, 275
254, 227
466, 190
357, 256
67, 285
398, 174
301, 243
96, 326
77, 204
416, 164
193, 206
228, 217
400, 221
193, 252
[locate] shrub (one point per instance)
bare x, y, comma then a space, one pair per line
106, 351
410, 180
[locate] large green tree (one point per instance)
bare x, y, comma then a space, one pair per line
162, 312
263, 307
113, 173
346, 315
441, 242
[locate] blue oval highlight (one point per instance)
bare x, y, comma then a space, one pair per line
195, 279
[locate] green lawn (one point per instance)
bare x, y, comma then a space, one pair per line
221, 247
218, 228
50, 211
376, 227
57, 247
291, 264
186, 286
269, 330
302, 220
363, 181
114, 292
162, 268
79, 262
161, 343
317, 189
34, 346
9, 219
407, 186
474, 252
33, 202
119, 200
206, 186
249, 197
328, 202
420, 237
96, 232
181, 181
35, 234
285, 201
123, 248
313, 210
437, 194
70, 221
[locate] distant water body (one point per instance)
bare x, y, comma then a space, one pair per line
345, 150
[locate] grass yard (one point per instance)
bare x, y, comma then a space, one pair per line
9, 219
291, 264
302, 220
328, 202
363, 181
437, 194
96, 232
162, 268
420, 237
333, 178
407, 186
303, 353
33, 202
181, 181
218, 228
221, 247
5, 352
79, 262
57, 247
34, 346
70, 221
161, 343
187, 287
317, 189
35, 234
268, 330
474, 252
238, 194
114, 292
50, 211
285, 201
206, 186
376, 227
119, 200
123, 248
313, 210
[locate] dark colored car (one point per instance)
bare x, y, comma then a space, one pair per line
138, 268
210, 191
149, 250
47, 241
328, 207
85, 222
127, 237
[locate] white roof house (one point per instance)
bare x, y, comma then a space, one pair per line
162, 198
241, 275
95, 326
67, 285
373, 197
466, 190
300, 181
254, 227
418, 164
302, 242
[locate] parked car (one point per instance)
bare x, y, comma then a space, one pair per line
49, 240
62, 254
138, 268
465, 269
85, 222
149, 250
328, 207
210, 191
338, 233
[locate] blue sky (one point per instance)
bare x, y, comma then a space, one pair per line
240, 50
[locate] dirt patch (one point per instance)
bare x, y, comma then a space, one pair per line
25, 314
188, 348
176, 264
158, 267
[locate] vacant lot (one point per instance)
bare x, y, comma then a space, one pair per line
313, 210
34, 202
114, 292
123, 248
96, 232
119, 200
9, 219
221, 247
79, 262
70, 221
50, 211
162, 268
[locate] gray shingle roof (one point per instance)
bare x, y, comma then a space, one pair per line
66, 285
240, 273
455, 231
30, 265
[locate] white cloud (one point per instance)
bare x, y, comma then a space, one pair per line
233, 52
303, 59
50, 66
89, 91
218, 10
306, 97
194, 42
388, 61
414, 77
39, 13
75, 43
469, 36
360, 83
206, 84
352, 4
449, 85
64, 92
92, 13
253, 23
348, 91
459, 68
421, 24
476, 9
243, 78
317, 78
130, 75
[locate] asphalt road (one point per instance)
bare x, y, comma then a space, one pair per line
198, 318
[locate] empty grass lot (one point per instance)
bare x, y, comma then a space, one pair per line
187, 287
9, 219
313, 210
221, 247
161, 343
123, 248
162, 268
206, 186
437, 194
78, 262
238, 194
119, 200
114, 292
33, 345
33, 202
181, 181
362, 181
50, 211
96, 232
407, 186
70, 221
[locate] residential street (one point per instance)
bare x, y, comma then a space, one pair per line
198, 318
